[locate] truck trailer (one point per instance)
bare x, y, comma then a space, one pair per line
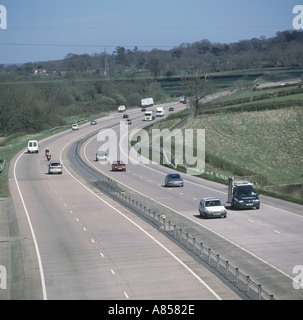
121, 108
147, 102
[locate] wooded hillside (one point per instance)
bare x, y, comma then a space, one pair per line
37, 96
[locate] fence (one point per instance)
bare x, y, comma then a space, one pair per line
151, 212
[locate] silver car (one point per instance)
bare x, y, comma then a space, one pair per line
55, 167
212, 207
174, 180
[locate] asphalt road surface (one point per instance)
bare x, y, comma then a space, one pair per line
79, 244
264, 243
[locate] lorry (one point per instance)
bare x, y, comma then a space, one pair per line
160, 112
242, 195
149, 115
121, 108
183, 99
147, 102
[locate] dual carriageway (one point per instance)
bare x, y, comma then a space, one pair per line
78, 243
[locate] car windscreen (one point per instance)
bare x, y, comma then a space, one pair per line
213, 203
174, 176
55, 164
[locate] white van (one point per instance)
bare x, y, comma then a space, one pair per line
32, 146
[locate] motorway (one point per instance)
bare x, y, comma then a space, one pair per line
265, 243
77, 243
80, 244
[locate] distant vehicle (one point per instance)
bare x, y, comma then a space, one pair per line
160, 112
171, 109
183, 99
46, 152
212, 208
121, 108
32, 146
125, 116
75, 126
55, 167
174, 180
93, 122
149, 115
101, 155
118, 166
128, 121
241, 195
147, 102
143, 109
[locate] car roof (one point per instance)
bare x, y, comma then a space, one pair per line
210, 199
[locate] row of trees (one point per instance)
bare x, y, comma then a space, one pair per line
33, 107
283, 50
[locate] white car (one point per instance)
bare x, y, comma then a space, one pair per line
32, 146
75, 126
212, 207
101, 155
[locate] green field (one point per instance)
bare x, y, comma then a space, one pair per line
255, 141
265, 142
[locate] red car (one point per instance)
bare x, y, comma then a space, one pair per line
118, 166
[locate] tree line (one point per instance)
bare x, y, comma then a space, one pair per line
37, 96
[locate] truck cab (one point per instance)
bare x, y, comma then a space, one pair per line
242, 195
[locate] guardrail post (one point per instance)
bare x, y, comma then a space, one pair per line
227, 267
247, 283
181, 235
209, 253
218, 261
201, 249
186, 239
259, 292
175, 231
194, 244
237, 275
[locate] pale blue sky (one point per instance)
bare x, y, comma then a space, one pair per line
40, 30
